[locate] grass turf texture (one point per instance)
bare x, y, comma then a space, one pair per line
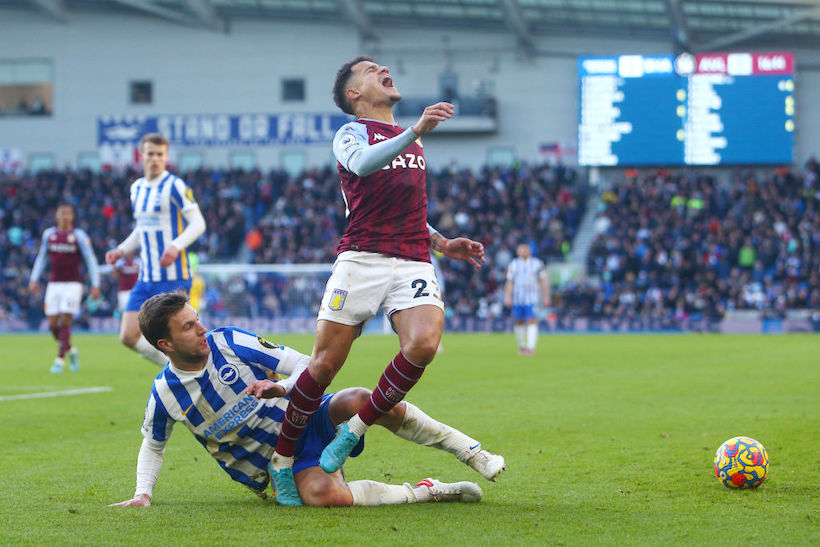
608, 439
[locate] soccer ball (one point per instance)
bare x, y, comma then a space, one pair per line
741, 462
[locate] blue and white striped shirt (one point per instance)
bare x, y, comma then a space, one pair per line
237, 429
158, 206
525, 275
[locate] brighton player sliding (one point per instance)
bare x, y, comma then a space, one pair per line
64, 244
383, 262
213, 383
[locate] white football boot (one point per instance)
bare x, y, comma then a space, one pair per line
488, 464
466, 492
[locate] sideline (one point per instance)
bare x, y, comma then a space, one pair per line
47, 394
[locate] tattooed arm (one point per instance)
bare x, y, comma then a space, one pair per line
459, 248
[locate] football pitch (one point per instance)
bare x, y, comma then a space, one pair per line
608, 439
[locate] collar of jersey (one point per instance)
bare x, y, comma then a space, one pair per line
187, 373
378, 121
157, 179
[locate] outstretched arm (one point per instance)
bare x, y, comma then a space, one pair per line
39, 265
358, 156
459, 248
149, 464
131, 244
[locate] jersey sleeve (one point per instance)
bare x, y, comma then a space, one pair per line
158, 424
254, 350
84, 242
361, 158
182, 195
511, 270
351, 138
40, 261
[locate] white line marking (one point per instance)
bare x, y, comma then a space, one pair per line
47, 394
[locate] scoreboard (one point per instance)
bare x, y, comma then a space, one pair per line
709, 109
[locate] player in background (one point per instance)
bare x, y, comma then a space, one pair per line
167, 220
526, 282
196, 296
383, 261
64, 244
127, 269
213, 383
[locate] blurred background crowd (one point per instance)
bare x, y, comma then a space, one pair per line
667, 246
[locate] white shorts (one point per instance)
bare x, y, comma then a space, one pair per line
63, 297
122, 299
363, 282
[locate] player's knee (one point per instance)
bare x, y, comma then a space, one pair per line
325, 492
129, 339
421, 350
323, 369
354, 398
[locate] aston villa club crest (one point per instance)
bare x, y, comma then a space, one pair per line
337, 299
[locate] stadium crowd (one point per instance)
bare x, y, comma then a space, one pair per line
675, 247
672, 247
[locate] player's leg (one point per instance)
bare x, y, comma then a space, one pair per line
333, 342
419, 332
70, 305
54, 327
519, 328
532, 334
409, 422
322, 489
132, 338
413, 303
66, 346
316, 487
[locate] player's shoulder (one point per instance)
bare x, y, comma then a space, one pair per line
48, 231
228, 336
176, 179
350, 131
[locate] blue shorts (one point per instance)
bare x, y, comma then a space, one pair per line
520, 313
144, 290
316, 436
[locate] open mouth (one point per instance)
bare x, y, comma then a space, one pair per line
388, 82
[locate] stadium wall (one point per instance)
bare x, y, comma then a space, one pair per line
198, 71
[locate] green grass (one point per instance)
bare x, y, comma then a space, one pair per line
608, 439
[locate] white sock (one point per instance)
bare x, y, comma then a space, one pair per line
151, 353
519, 335
421, 429
532, 336
279, 462
357, 426
367, 492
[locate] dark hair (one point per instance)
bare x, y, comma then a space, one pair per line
342, 76
156, 312
153, 138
